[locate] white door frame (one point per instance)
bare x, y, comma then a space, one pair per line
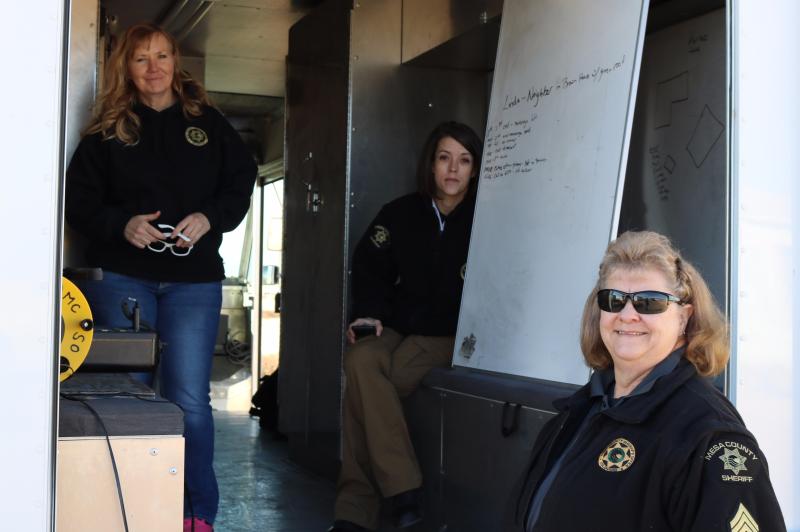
765, 229
31, 143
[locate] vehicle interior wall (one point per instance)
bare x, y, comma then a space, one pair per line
677, 181
688, 134
317, 109
393, 101
396, 101
389, 108
238, 52
82, 82
403, 78
468, 465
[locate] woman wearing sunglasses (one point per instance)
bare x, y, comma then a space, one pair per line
649, 443
154, 183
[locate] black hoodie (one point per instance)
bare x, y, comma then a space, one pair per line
178, 166
407, 272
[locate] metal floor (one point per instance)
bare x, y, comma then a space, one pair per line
260, 488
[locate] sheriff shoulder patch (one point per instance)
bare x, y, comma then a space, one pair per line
617, 456
734, 458
380, 237
743, 521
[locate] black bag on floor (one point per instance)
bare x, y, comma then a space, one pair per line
265, 402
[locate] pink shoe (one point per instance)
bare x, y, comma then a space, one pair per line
200, 525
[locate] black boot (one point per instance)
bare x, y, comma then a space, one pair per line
406, 509
341, 525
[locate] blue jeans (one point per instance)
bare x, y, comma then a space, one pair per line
186, 316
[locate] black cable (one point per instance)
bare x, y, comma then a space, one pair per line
110, 452
163, 401
238, 352
64, 366
134, 316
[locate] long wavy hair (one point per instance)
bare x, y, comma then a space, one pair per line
114, 115
707, 343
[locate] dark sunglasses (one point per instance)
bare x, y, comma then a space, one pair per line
645, 302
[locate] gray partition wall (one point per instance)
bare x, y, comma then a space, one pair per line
314, 256
677, 179
396, 103
357, 117
386, 73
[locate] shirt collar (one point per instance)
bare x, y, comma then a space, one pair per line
466, 205
601, 383
441, 218
141, 109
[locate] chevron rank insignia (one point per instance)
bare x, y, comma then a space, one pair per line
743, 521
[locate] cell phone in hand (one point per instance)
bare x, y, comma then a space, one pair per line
362, 331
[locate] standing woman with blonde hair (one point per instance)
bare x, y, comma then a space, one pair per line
156, 180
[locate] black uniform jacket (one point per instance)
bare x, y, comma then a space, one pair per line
179, 166
407, 273
676, 458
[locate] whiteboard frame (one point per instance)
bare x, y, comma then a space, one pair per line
626, 140
463, 336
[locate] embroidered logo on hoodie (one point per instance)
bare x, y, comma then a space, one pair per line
196, 136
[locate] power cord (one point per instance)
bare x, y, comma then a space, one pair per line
110, 452
64, 366
134, 315
238, 352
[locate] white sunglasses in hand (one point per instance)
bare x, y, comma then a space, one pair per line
162, 245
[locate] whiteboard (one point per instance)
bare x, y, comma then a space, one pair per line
559, 119
677, 181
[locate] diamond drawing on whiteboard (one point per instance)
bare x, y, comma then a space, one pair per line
706, 133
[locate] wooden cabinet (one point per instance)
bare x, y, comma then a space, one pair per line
150, 473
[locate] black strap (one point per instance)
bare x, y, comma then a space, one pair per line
510, 426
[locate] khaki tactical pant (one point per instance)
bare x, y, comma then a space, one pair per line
378, 459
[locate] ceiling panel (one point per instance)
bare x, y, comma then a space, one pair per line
244, 42
246, 31
236, 75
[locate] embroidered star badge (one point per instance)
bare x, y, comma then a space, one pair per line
617, 456
380, 237
733, 461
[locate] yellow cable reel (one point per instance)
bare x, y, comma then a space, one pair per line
77, 329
